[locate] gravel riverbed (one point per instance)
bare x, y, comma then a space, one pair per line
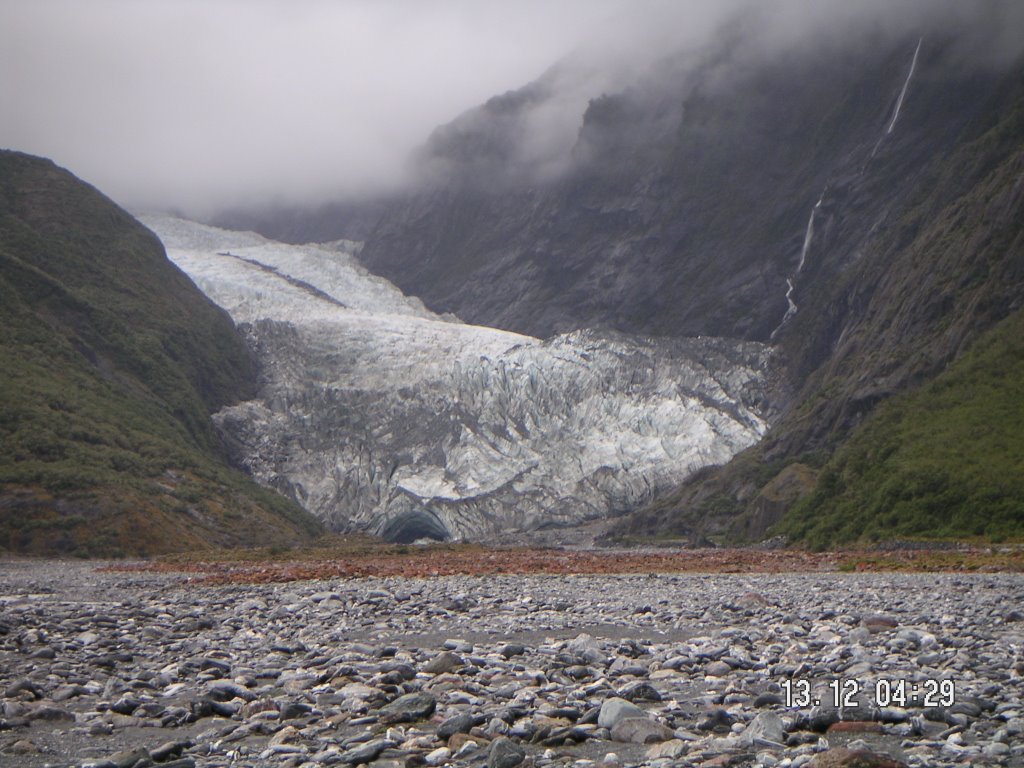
139, 669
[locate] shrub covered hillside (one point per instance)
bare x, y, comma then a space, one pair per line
942, 461
110, 363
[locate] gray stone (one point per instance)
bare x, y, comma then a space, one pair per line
460, 723
640, 730
615, 709
640, 690
505, 753
671, 749
365, 753
443, 662
125, 705
22, 686
409, 708
49, 713
996, 749
766, 727
129, 757
169, 749
225, 690
717, 669
509, 650
916, 637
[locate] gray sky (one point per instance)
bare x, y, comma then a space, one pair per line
195, 102
199, 104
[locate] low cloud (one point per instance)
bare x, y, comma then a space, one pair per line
205, 104
201, 103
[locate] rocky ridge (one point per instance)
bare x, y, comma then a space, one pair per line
111, 362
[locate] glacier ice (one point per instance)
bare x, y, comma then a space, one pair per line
378, 415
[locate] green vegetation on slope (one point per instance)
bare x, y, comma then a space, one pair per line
942, 461
110, 363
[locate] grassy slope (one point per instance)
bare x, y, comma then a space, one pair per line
110, 363
946, 460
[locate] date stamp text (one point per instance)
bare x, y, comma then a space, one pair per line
846, 693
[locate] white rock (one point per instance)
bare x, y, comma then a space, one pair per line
439, 756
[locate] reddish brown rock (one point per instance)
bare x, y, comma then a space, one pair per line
854, 758
876, 624
855, 726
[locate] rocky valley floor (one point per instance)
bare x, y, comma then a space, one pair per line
114, 668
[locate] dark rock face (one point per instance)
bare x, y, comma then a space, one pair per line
856, 204
685, 205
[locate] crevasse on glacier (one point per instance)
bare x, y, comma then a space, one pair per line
378, 415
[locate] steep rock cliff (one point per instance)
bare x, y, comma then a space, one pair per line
856, 202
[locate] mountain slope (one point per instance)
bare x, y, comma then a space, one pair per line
855, 201
110, 364
925, 283
683, 207
945, 460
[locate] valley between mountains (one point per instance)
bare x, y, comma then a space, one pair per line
666, 410
759, 285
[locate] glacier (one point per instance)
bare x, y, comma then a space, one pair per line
378, 415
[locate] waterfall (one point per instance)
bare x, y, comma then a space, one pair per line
808, 236
899, 100
791, 308
906, 83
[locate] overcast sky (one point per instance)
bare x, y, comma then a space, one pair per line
195, 102
198, 104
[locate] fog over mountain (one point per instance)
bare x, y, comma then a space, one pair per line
200, 106
203, 104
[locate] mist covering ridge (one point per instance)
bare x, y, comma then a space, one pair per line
779, 183
280, 108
